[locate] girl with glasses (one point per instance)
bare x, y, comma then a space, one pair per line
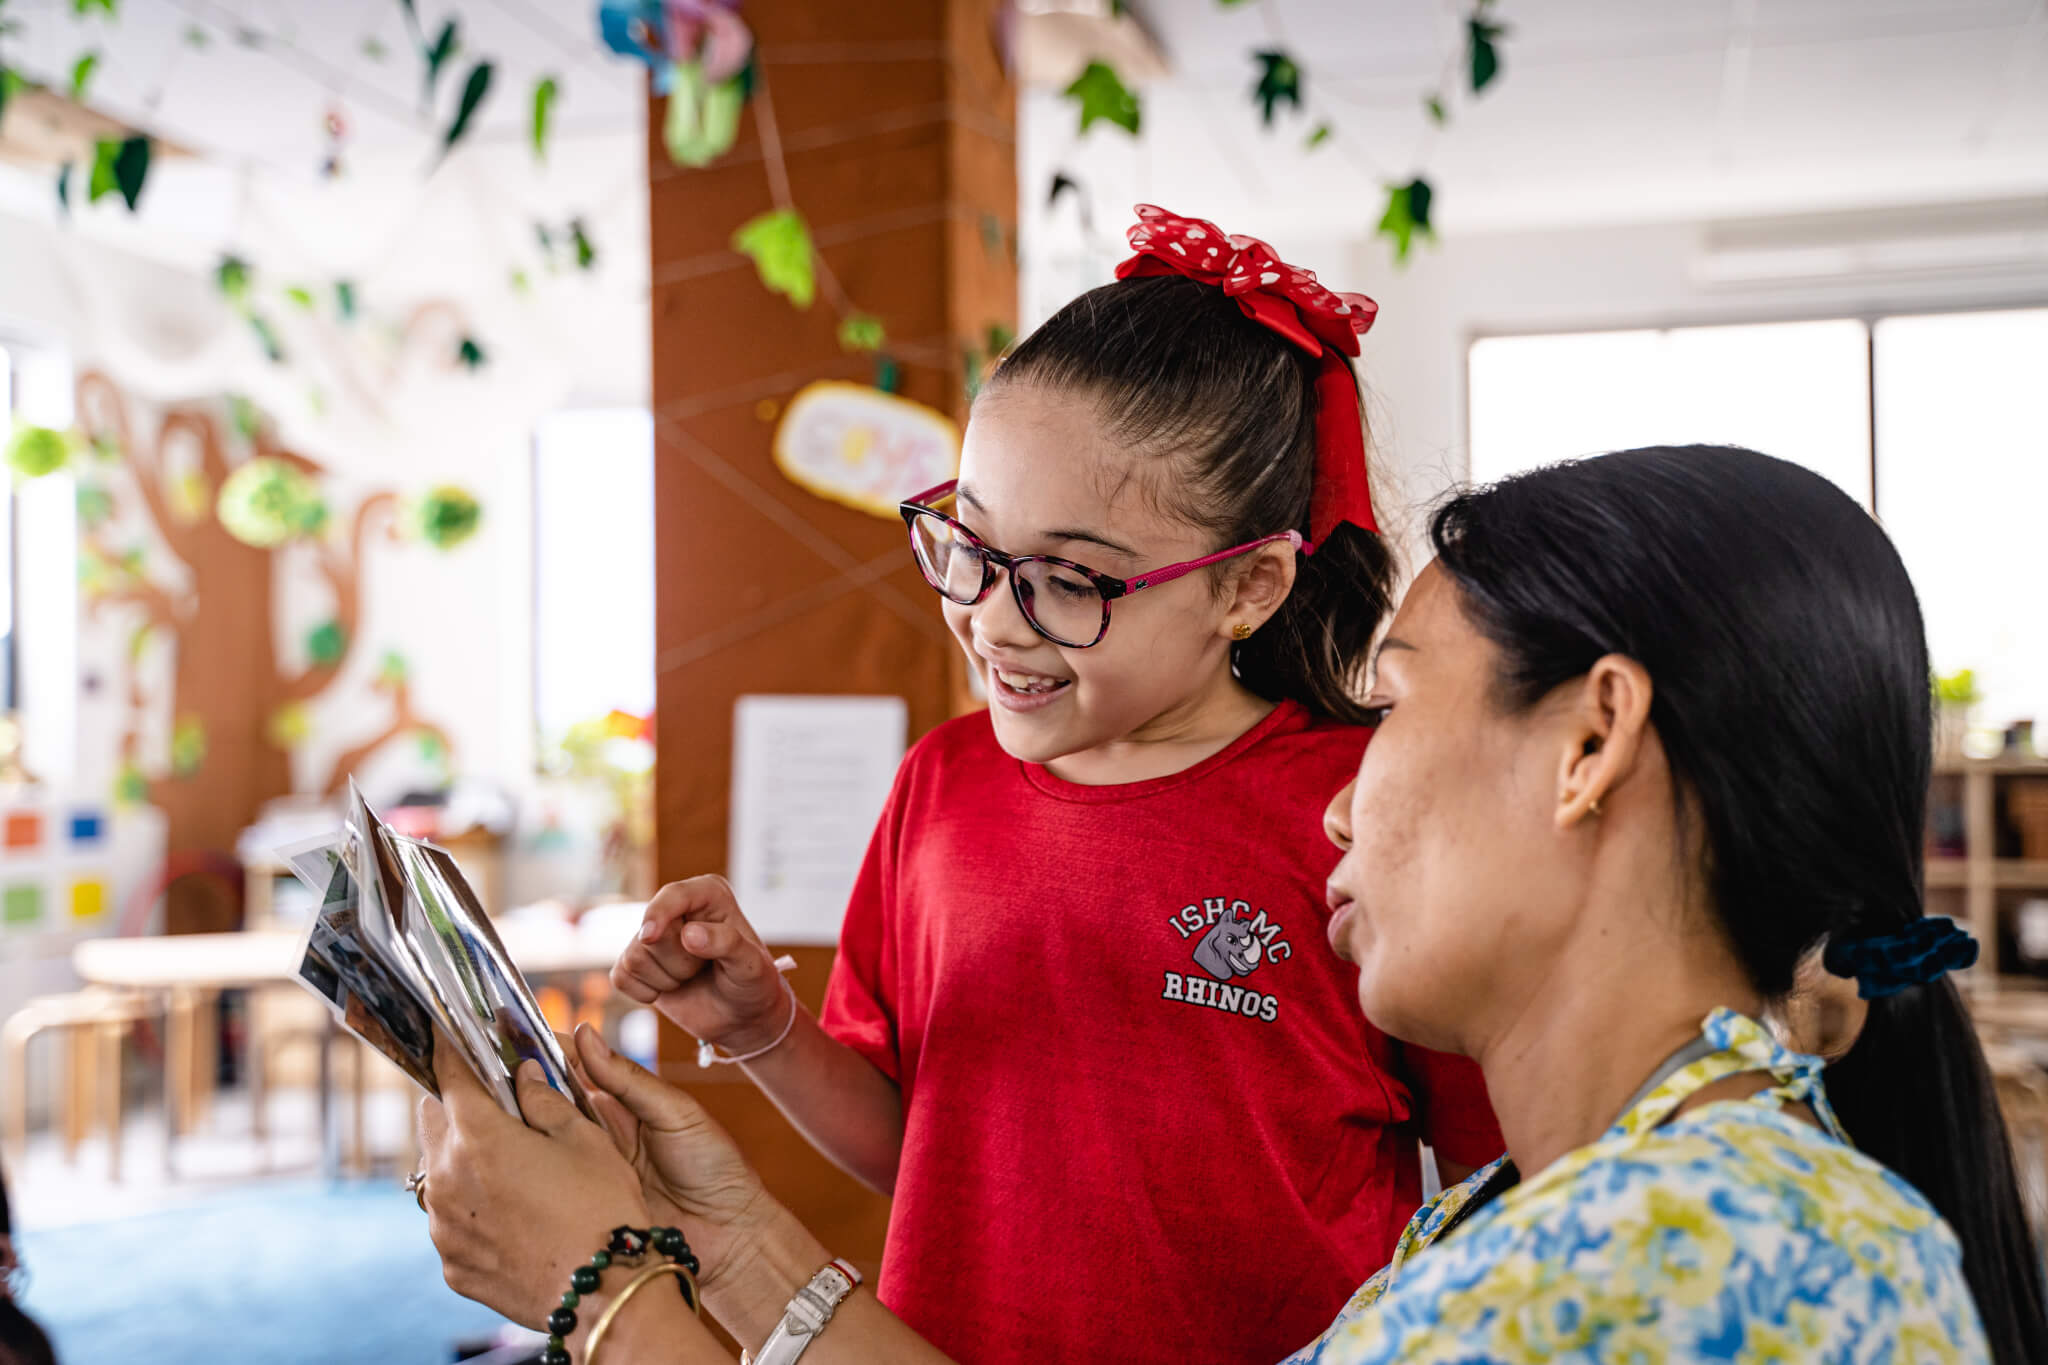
1085, 1016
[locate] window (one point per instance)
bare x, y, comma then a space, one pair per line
1800, 391
593, 567
1956, 465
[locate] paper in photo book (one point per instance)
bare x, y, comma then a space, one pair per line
406, 958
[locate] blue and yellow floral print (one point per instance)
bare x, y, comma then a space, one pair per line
1735, 1232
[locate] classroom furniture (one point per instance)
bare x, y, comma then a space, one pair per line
92, 1025
1979, 888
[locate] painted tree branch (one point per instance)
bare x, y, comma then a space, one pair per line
343, 572
403, 722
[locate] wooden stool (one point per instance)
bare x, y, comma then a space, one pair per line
94, 1022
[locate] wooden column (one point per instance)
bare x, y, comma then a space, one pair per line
896, 123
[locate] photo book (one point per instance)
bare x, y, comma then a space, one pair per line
407, 960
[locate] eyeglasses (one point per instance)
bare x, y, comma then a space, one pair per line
1065, 602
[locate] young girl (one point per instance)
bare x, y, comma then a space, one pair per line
1085, 1024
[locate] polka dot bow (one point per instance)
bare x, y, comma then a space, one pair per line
1288, 300
1283, 297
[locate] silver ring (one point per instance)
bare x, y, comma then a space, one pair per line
416, 1186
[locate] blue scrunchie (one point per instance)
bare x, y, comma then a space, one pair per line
1886, 964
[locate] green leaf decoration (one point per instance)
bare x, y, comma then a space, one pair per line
10, 82
586, 250
232, 278
300, 295
196, 38
972, 363
473, 91
888, 374
81, 74
520, 284
106, 449
392, 669
81, 8
345, 300
95, 505
1480, 52
702, 119
1321, 134
131, 168
1279, 82
1230, 4
138, 640
437, 57
543, 108
992, 234
188, 746
1407, 216
131, 788
779, 244
290, 725
432, 750
374, 50
545, 238
326, 643
267, 502
861, 333
448, 516
1101, 95
1434, 106
105, 152
267, 338
35, 451
246, 416
470, 355
1000, 338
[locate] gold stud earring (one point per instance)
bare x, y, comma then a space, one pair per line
1595, 807
1241, 631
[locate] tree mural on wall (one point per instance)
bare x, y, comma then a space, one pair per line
235, 712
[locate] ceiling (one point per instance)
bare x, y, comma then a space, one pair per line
1605, 111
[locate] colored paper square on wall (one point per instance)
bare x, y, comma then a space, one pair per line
87, 827
23, 829
21, 905
88, 899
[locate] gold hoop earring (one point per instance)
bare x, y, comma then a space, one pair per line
1240, 631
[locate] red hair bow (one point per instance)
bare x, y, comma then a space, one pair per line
1288, 300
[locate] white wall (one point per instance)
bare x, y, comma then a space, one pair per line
1641, 276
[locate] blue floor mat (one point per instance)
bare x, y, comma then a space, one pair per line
299, 1274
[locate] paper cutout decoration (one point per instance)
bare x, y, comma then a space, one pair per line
87, 827
267, 502
88, 900
863, 448
24, 829
21, 905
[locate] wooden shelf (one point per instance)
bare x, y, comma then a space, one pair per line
2002, 766
2007, 874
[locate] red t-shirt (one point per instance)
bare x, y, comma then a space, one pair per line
1144, 1119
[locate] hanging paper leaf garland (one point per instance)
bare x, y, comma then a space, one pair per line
437, 56
470, 355
1434, 106
1318, 136
81, 8
448, 515
1407, 216
543, 110
345, 300
586, 250
231, 277
1480, 52
473, 92
1279, 82
703, 117
779, 244
1102, 95
301, 296
35, 451
81, 74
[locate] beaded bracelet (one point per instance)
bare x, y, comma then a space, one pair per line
630, 1246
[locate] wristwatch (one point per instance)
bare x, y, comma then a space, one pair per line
806, 1315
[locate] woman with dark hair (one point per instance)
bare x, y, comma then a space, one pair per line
21, 1341
1651, 767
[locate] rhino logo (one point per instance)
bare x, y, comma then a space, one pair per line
1229, 949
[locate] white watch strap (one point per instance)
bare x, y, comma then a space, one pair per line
806, 1315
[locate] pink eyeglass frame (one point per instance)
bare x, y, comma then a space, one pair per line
1109, 586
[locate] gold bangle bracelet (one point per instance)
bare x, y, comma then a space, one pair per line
611, 1311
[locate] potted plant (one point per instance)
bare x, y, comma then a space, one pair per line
1955, 700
